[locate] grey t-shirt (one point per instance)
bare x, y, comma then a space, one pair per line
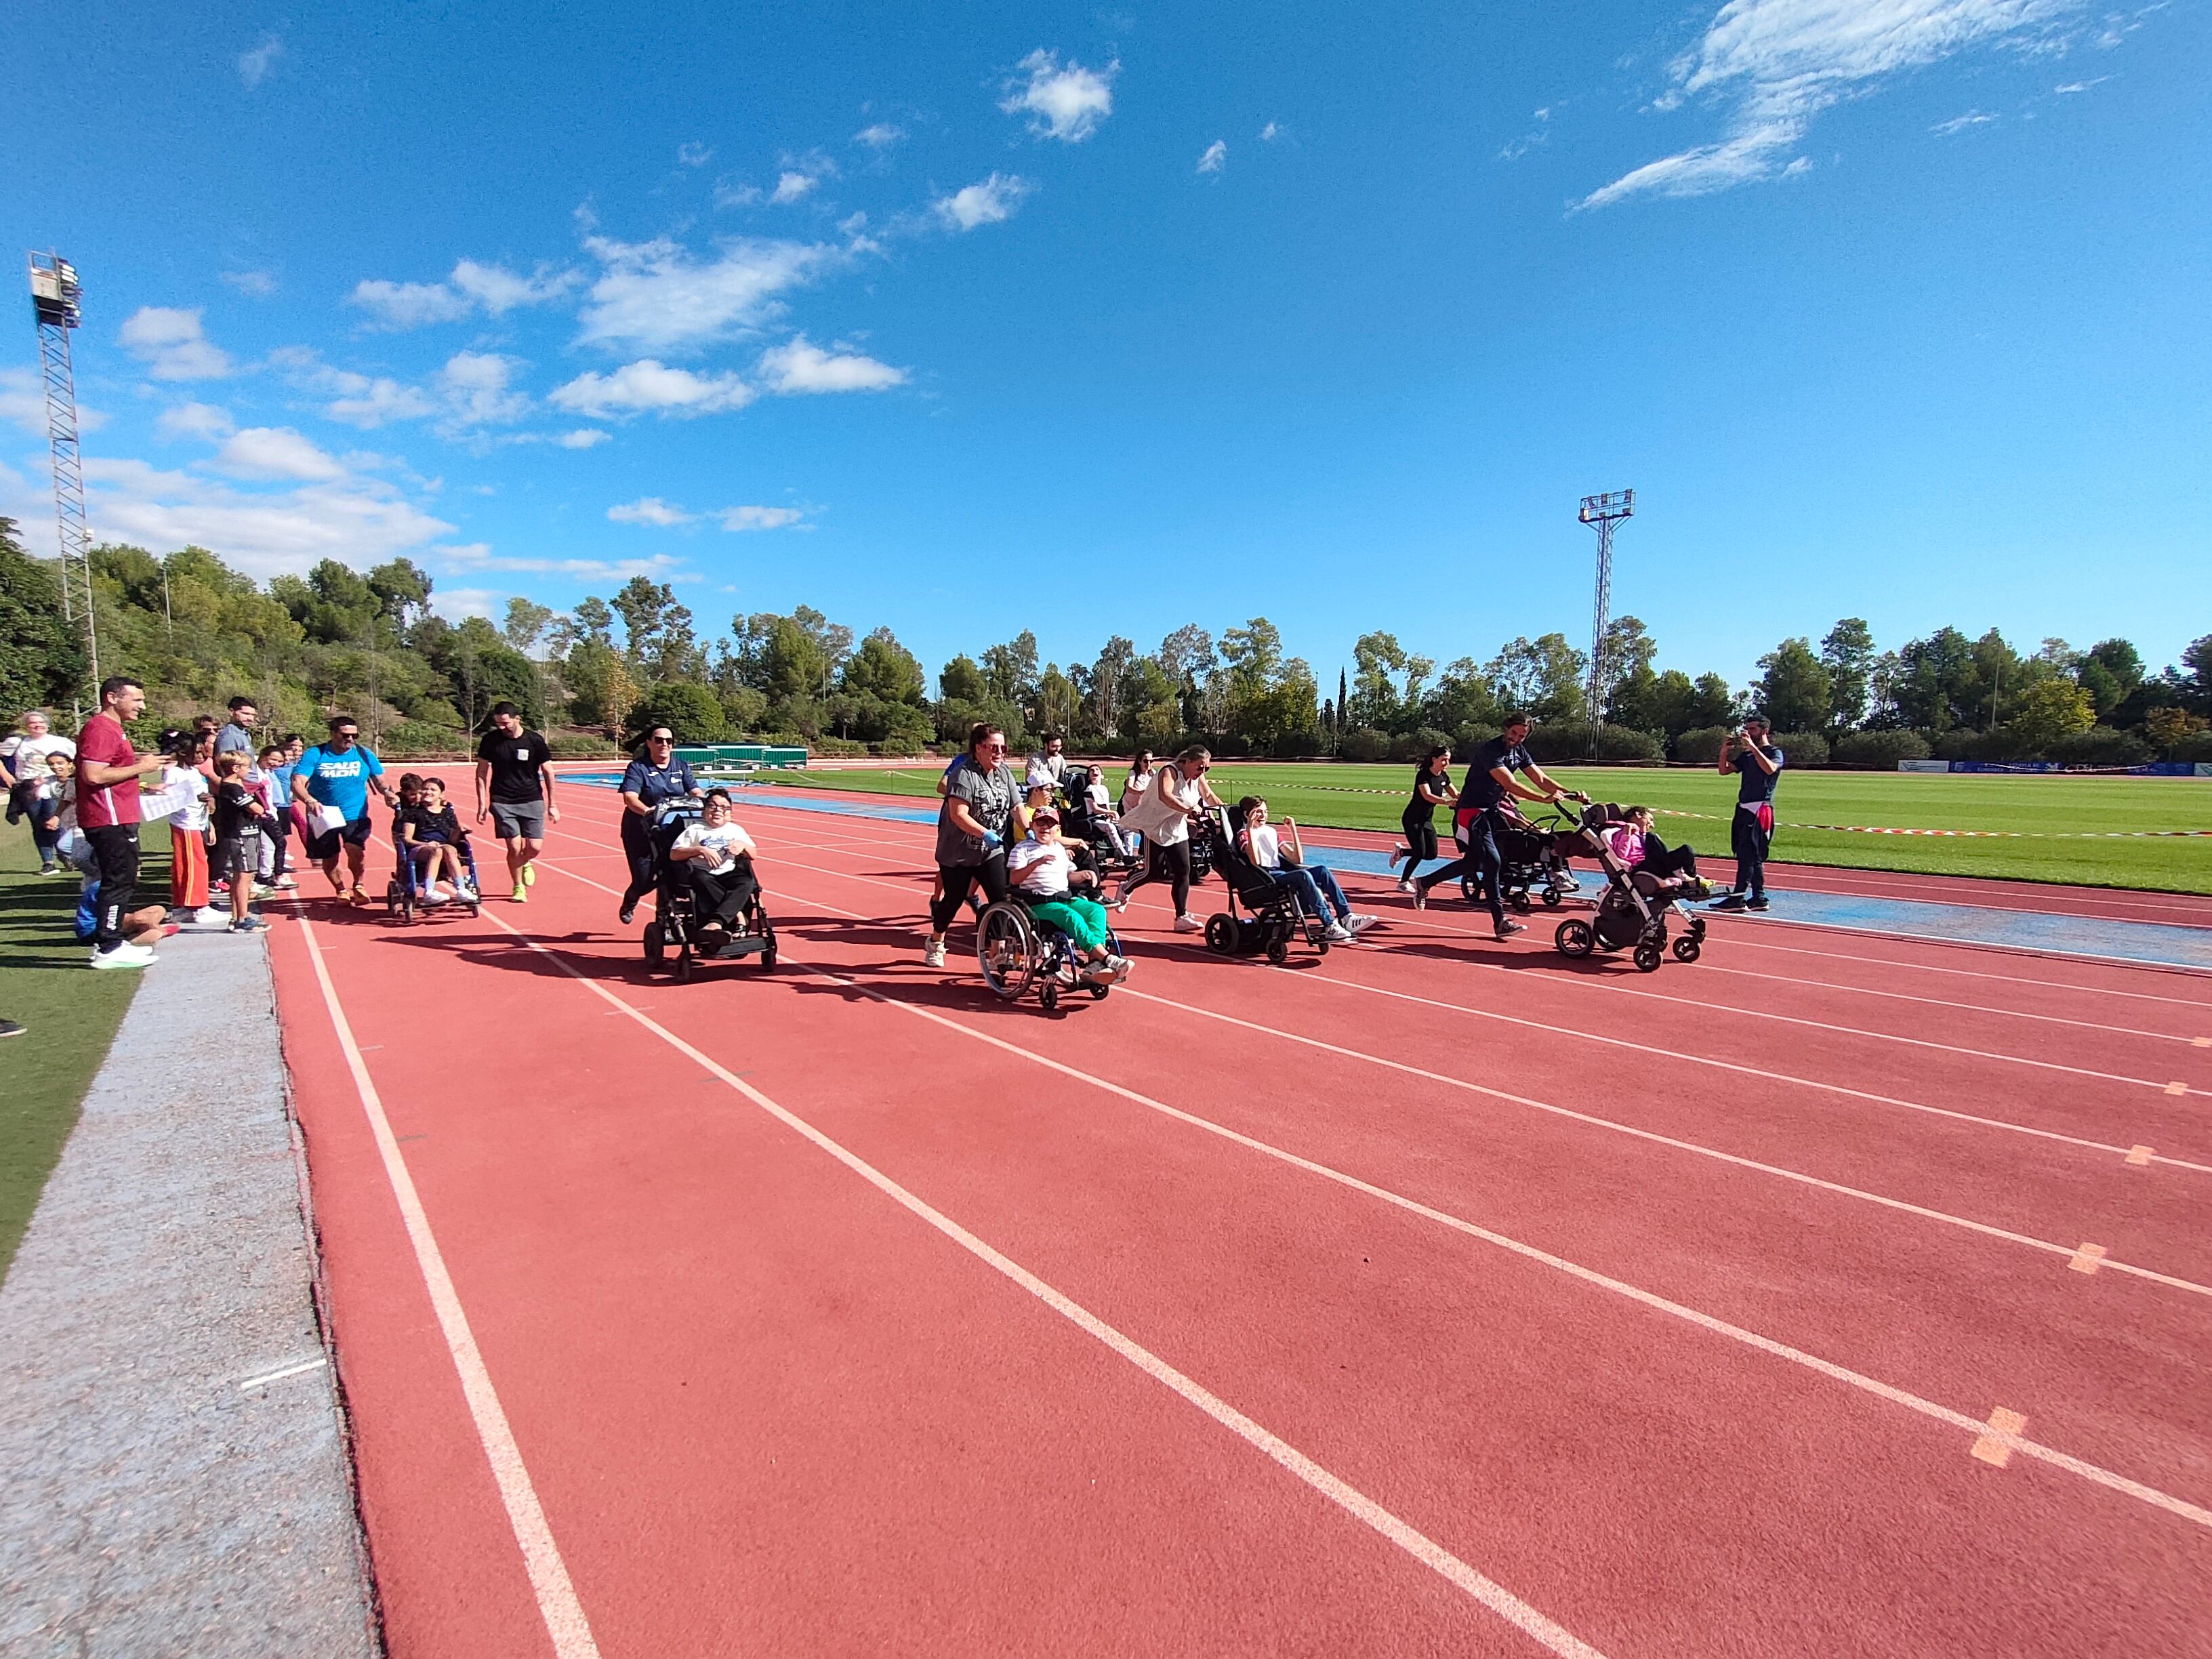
990, 793
231, 735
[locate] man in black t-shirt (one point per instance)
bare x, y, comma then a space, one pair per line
1491, 784
514, 786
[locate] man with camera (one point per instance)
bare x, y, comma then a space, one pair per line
1757, 765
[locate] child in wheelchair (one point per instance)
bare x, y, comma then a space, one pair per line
432, 842
1054, 893
712, 857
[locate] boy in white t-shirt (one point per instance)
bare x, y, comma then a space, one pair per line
1315, 884
1041, 867
717, 856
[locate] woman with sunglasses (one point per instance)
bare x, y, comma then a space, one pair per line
1179, 789
654, 776
973, 828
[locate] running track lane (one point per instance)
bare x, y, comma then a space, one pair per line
543, 890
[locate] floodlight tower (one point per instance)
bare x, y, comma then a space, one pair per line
1603, 512
54, 295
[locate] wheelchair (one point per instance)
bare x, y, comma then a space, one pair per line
1017, 952
403, 893
672, 937
1276, 916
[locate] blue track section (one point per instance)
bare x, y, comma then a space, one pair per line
2156, 944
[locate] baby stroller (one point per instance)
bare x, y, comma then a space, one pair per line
1533, 856
1016, 951
1633, 912
676, 927
1078, 819
404, 893
1276, 916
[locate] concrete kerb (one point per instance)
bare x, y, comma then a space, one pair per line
175, 1455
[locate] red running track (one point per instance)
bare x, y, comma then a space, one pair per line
1380, 1305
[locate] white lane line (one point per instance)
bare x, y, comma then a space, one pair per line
2200, 1004
557, 1606
1499, 1600
284, 1371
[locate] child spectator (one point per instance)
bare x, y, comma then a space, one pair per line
1041, 867
185, 794
239, 811
271, 779
431, 832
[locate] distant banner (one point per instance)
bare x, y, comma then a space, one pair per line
1924, 766
2155, 769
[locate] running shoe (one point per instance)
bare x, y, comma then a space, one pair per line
285, 884
520, 895
1405, 883
49, 868
8, 1028
1356, 925
1759, 904
361, 899
123, 956
1188, 923
530, 873
1506, 929
932, 954
1733, 902
250, 925
1121, 965
1337, 933
1420, 896
628, 914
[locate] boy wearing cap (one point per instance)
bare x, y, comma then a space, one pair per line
1042, 868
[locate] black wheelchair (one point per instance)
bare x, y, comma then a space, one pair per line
677, 933
1275, 914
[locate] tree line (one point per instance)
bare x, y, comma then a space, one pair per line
198, 632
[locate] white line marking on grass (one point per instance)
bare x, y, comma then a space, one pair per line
563, 1614
1507, 1606
281, 1372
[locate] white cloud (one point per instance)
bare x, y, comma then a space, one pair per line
798, 366
459, 603
191, 420
254, 65
650, 509
647, 385
499, 290
2072, 87
275, 454
1972, 117
370, 403
254, 284
1539, 133
985, 203
584, 437
475, 556
1778, 64
758, 518
23, 403
477, 389
171, 344
410, 305
694, 154
1215, 157
1273, 131
882, 136
791, 186
656, 296
1066, 104
473, 287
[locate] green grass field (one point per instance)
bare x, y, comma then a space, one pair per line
72, 1013
1331, 795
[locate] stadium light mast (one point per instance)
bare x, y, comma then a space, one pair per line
54, 295
1603, 511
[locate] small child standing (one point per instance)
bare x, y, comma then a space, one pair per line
239, 814
183, 784
271, 779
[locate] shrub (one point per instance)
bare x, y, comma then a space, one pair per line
1295, 745
899, 746
1879, 751
839, 748
1470, 738
1621, 742
1802, 748
582, 746
692, 712
1701, 746
2100, 746
2197, 747
1558, 742
1364, 743
422, 737
1415, 745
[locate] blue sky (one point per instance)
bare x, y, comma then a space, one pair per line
1894, 310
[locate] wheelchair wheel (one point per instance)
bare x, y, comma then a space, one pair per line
1098, 992
1553, 896
1222, 933
1574, 938
1519, 900
656, 946
1279, 952
1008, 952
1649, 956
768, 953
1687, 948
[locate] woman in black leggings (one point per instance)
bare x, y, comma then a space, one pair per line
654, 776
1179, 789
1433, 788
973, 828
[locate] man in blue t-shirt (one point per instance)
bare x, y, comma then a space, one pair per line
1757, 765
1491, 785
332, 780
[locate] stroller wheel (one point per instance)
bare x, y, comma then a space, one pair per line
1574, 938
1279, 952
1552, 898
656, 944
1222, 933
1519, 901
1649, 957
1687, 948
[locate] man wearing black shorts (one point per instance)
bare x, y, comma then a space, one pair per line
514, 786
1490, 785
331, 783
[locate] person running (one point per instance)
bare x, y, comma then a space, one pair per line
1179, 789
1757, 765
1139, 783
25, 763
107, 773
1484, 798
331, 783
1433, 788
653, 775
1315, 884
514, 786
972, 829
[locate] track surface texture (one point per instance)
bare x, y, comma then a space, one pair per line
1831, 1295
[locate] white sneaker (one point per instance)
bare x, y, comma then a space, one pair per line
1336, 934
1187, 923
1121, 965
932, 954
1405, 883
1358, 925
125, 955
433, 893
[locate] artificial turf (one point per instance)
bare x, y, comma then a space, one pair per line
2046, 811
72, 1014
